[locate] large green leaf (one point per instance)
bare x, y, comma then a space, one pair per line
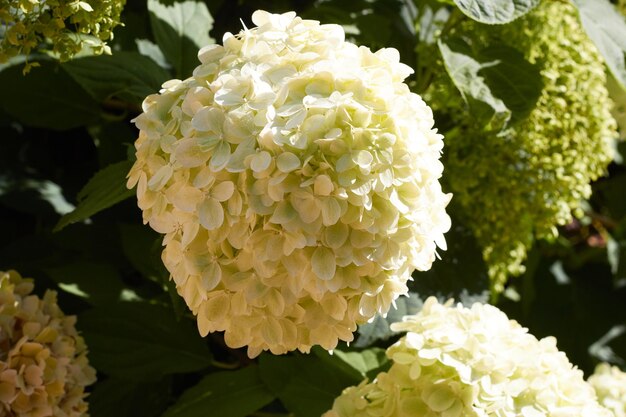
303, 384
358, 364
180, 30
106, 188
499, 85
47, 97
97, 283
128, 76
224, 394
142, 247
460, 274
496, 11
123, 398
141, 341
464, 69
513, 79
607, 29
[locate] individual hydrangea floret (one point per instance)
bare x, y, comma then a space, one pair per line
295, 178
520, 184
43, 360
465, 362
57, 24
609, 382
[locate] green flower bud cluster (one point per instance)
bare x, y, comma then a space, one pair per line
520, 184
617, 92
25, 24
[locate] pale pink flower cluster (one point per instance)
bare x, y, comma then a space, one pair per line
609, 382
295, 178
43, 360
470, 362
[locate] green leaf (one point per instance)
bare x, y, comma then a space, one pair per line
460, 274
464, 69
496, 11
499, 85
105, 189
122, 398
128, 76
97, 283
607, 29
359, 364
303, 384
141, 341
180, 30
513, 79
47, 97
142, 247
603, 349
225, 394
152, 50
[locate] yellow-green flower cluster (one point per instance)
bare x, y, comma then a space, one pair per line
58, 24
295, 178
466, 362
609, 382
520, 184
43, 362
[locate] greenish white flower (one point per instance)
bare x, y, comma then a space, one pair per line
609, 382
43, 360
59, 23
463, 362
520, 184
295, 178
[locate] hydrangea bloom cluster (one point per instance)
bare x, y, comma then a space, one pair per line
28, 23
295, 178
610, 385
43, 362
464, 362
516, 185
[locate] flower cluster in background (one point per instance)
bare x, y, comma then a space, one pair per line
609, 383
457, 361
516, 185
43, 362
295, 178
27, 25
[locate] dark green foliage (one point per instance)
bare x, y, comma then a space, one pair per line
68, 221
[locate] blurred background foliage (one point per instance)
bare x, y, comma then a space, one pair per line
68, 221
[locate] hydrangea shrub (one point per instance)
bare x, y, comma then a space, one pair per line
58, 23
43, 360
295, 178
456, 361
609, 382
522, 183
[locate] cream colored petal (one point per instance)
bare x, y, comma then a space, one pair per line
210, 214
323, 263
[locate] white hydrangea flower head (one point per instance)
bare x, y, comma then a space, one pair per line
461, 362
609, 382
295, 178
43, 361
